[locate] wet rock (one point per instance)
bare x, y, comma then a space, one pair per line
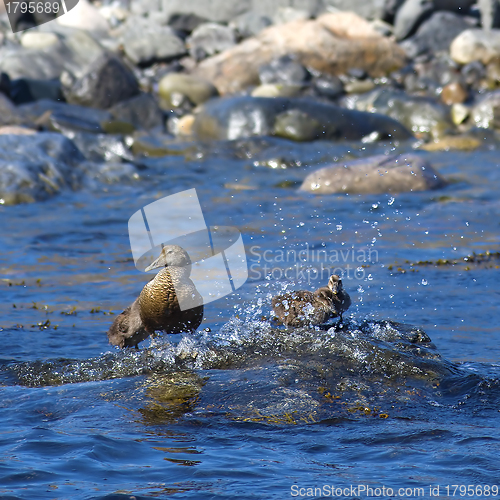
453, 93
476, 45
422, 115
300, 119
25, 90
376, 174
328, 86
331, 44
145, 41
250, 24
38, 40
276, 90
141, 111
284, 70
65, 118
436, 33
453, 142
185, 22
84, 16
110, 172
473, 74
102, 147
209, 39
196, 89
107, 81
486, 113
459, 113
35, 167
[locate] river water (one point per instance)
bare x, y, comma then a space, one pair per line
404, 394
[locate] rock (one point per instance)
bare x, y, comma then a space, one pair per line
298, 119
35, 167
359, 86
250, 24
215, 10
422, 115
25, 90
490, 13
16, 130
141, 111
184, 126
110, 172
453, 142
84, 16
410, 15
185, 22
38, 40
328, 86
102, 147
209, 39
459, 113
145, 41
8, 111
276, 90
332, 44
197, 90
436, 33
65, 118
284, 70
376, 174
107, 81
454, 93
473, 74
476, 45
486, 113
371, 9
285, 15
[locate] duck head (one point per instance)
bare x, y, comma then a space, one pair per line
171, 255
335, 283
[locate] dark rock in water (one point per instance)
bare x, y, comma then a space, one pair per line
185, 22
35, 167
250, 23
486, 113
436, 33
328, 86
422, 115
299, 119
145, 41
375, 174
141, 111
25, 90
209, 39
4, 84
65, 118
283, 70
102, 147
107, 81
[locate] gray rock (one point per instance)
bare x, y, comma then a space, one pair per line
209, 39
25, 90
35, 167
197, 90
250, 23
141, 111
486, 113
145, 41
376, 174
410, 15
213, 10
422, 115
102, 147
107, 81
298, 119
283, 70
9, 114
436, 33
185, 22
369, 9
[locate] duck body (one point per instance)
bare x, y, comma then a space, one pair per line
302, 307
157, 307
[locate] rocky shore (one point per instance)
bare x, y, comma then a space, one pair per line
81, 94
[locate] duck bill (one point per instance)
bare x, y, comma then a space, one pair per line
159, 262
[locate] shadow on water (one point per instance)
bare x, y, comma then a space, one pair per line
253, 371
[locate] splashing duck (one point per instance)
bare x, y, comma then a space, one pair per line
157, 307
302, 307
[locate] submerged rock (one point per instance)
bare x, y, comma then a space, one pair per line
35, 167
375, 174
332, 44
297, 119
140, 111
486, 113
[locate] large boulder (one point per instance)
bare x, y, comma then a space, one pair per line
332, 43
296, 119
376, 174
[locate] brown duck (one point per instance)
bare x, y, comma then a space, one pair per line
312, 308
157, 307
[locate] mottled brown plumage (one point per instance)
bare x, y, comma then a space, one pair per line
302, 307
157, 307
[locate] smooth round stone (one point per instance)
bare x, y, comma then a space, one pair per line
38, 39
184, 125
359, 86
276, 90
376, 174
197, 90
459, 113
476, 45
453, 93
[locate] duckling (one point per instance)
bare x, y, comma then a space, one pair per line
302, 307
157, 307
